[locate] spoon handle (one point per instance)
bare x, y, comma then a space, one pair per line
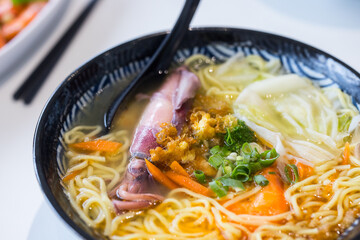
164, 54
160, 61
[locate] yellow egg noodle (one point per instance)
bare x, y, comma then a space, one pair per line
321, 204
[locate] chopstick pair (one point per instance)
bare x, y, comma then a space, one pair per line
29, 88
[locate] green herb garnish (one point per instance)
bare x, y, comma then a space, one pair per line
229, 182
241, 173
216, 160
261, 180
200, 176
218, 188
233, 173
292, 177
244, 163
268, 157
237, 136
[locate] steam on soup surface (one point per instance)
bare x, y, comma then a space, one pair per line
238, 150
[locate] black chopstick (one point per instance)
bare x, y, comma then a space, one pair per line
33, 83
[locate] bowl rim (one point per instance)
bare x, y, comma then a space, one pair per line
40, 175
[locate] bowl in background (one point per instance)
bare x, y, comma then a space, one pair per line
115, 68
23, 43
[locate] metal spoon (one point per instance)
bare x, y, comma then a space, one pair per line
159, 62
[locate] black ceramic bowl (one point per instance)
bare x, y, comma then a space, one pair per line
115, 67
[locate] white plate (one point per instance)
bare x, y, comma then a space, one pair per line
15, 50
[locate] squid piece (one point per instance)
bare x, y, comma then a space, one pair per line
169, 104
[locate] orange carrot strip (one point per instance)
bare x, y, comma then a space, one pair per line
12, 28
270, 200
189, 184
159, 176
8, 10
346, 156
304, 170
176, 167
2, 39
71, 175
97, 145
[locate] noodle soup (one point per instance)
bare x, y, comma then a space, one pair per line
237, 150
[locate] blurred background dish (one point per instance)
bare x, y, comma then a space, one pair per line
24, 27
15, 16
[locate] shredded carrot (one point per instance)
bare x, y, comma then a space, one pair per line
97, 145
346, 156
304, 170
13, 27
176, 167
159, 176
71, 175
189, 184
2, 39
270, 200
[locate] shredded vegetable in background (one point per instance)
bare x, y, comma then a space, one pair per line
19, 2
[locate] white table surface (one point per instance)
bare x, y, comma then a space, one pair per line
330, 25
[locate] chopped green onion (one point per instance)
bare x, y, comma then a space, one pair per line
294, 177
200, 176
269, 154
219, 172
222, 151
227, 170
232, 183
238, 135
234, 172
215, 149
261, 180
246, 149
255, 155
228, 139
255, 167
227, 162
268, 157
241, 173
218, 188
266, 162
216, 160
272, 173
